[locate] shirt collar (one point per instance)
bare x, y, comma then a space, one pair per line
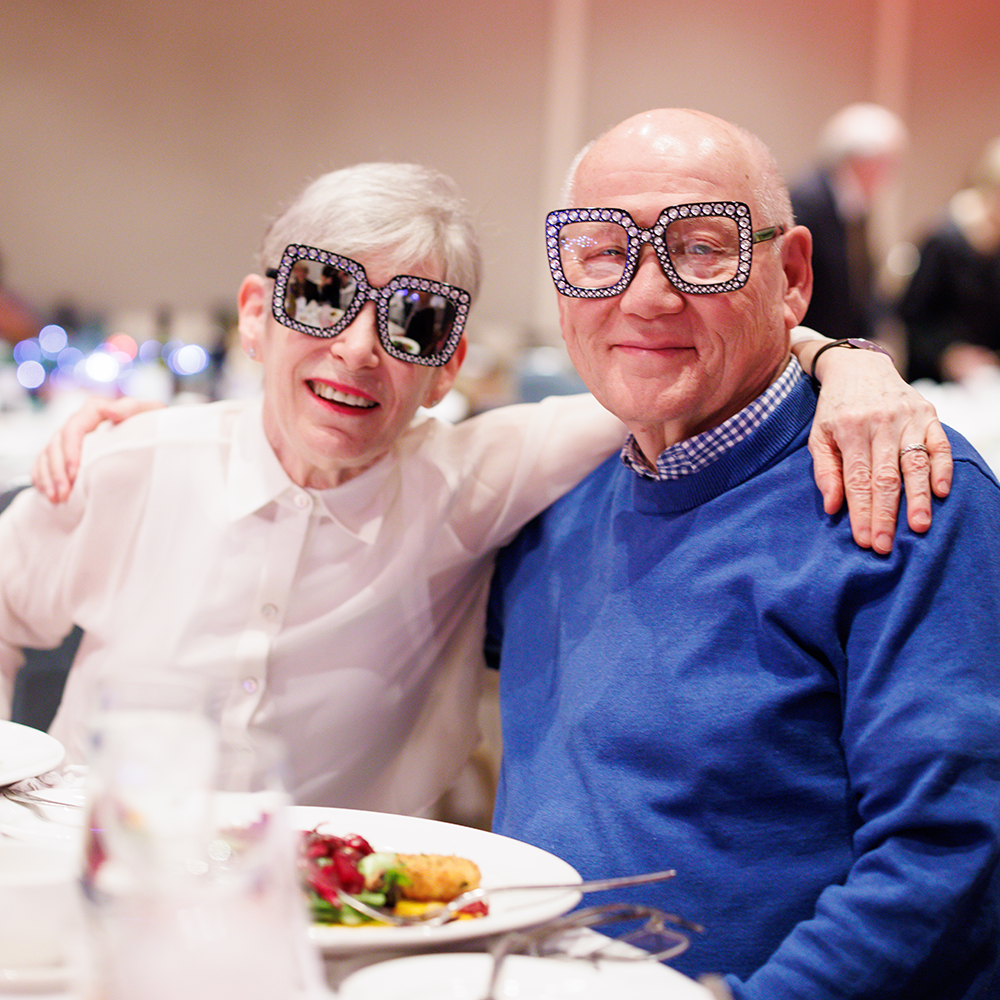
255, 476
694, 454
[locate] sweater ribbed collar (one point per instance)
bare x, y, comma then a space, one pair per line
697, 452
759, 450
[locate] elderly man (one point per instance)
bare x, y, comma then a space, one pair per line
698, 668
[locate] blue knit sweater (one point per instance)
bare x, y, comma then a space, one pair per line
708, 674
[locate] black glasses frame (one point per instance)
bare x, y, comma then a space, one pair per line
366, 292
738, 211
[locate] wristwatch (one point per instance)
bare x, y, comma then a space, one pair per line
858, 343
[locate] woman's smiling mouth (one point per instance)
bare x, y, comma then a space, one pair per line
339, 396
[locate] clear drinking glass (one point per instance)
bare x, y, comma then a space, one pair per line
189, 873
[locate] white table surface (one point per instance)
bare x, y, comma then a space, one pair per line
971, 408
20, 822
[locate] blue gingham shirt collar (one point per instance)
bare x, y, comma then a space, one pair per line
694, 454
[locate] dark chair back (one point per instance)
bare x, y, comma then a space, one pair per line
40, 682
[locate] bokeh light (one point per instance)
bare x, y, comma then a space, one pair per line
31, 374
188, 360
27, 350
69, 358
102, 367
122, 343
149, 350
119, 362
52, 339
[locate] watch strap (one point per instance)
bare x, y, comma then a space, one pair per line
857, 343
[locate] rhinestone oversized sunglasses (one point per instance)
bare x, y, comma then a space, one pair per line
320, 293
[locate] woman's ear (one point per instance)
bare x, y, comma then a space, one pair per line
796, 260
252, 303
445, 376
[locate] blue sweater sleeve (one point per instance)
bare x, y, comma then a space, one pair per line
921, 711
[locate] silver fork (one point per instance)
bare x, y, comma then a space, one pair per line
437, 917
40, 805
34, 797
29, 804
654, 941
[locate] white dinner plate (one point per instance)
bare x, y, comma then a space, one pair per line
465, 977
501, 861
26, 752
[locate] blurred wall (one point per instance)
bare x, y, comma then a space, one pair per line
145, 145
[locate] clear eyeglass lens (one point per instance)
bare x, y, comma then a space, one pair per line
704, 250
593, 254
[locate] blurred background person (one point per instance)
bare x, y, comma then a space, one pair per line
951, 308
858, 157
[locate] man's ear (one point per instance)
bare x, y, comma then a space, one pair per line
446, 375
796, 261
252, 304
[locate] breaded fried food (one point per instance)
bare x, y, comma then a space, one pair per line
437, 876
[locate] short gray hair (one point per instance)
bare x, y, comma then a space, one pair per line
861, 130
411, 214
770, 190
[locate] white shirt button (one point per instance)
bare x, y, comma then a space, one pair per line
250, 685
303, 500
269, 611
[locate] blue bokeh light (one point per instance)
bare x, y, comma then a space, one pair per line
30, 374
69, 357
27, 350
52, 339
115, 362
149, 351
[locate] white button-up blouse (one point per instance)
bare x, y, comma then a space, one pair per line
348, 621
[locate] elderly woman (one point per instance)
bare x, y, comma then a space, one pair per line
321, 555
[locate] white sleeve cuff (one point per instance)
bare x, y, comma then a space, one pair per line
800, 334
